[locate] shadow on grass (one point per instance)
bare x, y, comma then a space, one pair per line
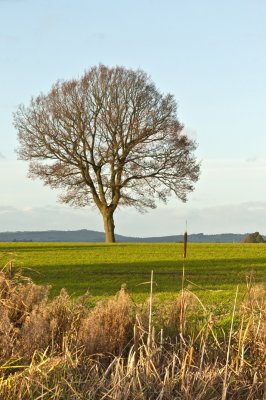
106, 279
39, 247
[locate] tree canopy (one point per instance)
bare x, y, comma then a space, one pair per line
253, 238
109, 139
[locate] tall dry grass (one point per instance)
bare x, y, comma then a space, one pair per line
62, 349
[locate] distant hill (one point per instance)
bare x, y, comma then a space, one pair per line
85, 235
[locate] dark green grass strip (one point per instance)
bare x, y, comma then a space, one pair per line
212, 270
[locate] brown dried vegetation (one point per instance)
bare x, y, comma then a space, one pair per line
62, 349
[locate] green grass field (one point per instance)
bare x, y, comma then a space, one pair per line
213, 271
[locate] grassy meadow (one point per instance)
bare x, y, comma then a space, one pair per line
212, 271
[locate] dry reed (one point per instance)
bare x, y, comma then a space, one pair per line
63, 350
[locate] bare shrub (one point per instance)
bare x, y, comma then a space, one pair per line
184, 299
35, 333
6, 334
108, 327
24, 300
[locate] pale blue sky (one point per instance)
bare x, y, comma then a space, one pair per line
210, 54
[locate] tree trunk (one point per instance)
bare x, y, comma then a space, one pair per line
109, 227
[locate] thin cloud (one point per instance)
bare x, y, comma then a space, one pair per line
47, 218
227, 218
252, 159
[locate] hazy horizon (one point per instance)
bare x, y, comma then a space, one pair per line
125, 235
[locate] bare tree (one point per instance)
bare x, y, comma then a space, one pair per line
109, 138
